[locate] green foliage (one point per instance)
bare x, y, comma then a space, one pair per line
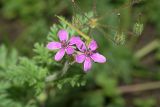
6, 58
23, 8
37, 80
41, 71
81, 21
150, 102
75, 80
42, 54
27, 73
21, 72
33, 33
10, 59
34, 15
29, 9
94, 99
151, 12
108, 84
66, 74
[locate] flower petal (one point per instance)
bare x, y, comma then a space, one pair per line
87, 64
80, 58
98, 58
81, 45
53, 45
74, 40
93, 45
63, 35
70, 50
59, 55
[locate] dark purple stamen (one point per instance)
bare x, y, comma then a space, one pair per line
88, 53
64, 44
81, 46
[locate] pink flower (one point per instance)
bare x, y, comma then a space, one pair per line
89, 54
64, 45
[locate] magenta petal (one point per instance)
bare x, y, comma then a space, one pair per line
74, 40
93, 45
81, 45
69, 50
87, 64
80, 58
53, 45
63, 35
98, 58
59, 55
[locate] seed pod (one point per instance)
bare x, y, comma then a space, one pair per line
119, 38
138, 28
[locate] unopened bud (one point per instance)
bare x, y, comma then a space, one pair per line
138, 28
119, 38
93, 23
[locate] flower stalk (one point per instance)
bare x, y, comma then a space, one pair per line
76, 29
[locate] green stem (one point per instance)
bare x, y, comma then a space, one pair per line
54, 76
77, 30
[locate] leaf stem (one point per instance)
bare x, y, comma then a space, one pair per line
54, 76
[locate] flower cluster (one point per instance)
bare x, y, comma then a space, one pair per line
84, 54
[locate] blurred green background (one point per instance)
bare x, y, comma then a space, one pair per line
26, 22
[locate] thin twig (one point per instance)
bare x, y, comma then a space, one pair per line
147, 49
139, 87
130, 88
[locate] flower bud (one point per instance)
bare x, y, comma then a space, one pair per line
119, 38
138, 28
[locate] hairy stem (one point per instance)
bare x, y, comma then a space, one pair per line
76, 29
58, 73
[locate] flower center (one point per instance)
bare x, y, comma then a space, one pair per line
88, 52
64, 44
